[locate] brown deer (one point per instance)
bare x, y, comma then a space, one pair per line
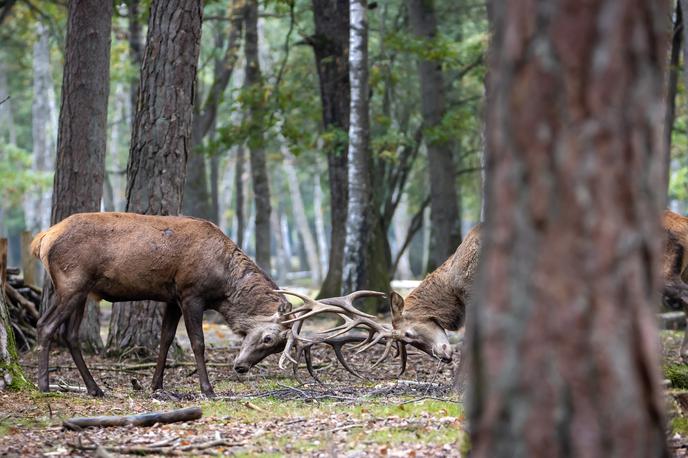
187, 263
437, 305
675, 266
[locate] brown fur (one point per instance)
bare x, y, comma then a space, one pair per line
444, 293
186, 262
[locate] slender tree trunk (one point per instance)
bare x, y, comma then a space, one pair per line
444, 211
159, 148
564, 354
319, 222
239, 191
359, 213
672, 86
114, 185
6, 112
135, 49
43, 132
401, 226
80, 164
259, 171
331, 48
197, 194
226, 195
300, 217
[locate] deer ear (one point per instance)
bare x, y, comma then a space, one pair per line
396, 303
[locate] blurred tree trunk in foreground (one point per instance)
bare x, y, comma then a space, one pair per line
564, 353
80, 163
159, 148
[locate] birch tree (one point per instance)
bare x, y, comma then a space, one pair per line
358, 224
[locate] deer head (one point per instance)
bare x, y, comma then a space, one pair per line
423, 333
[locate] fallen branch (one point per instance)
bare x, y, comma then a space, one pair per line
14, 295
145, 419
67, 388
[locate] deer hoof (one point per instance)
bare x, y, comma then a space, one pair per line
97, 393
209, 393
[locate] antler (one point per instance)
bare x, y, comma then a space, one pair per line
353, 319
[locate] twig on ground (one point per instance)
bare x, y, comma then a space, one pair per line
423, 398
252, 406
146, 419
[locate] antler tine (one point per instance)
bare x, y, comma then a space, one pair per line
291, 340
403, 356
388, 349
346, 302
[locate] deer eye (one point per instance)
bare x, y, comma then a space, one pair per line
267, 339
409, 334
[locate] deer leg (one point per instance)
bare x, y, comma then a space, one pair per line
193, 319
170, 319
47, 325
677, 290
74, 346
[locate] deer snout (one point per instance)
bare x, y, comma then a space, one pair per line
443, 352
241, 368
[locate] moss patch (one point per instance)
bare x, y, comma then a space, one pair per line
677, 374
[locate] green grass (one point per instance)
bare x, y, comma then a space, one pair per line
680, 425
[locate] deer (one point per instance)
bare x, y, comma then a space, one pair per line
187, 263
421, 320
675, 266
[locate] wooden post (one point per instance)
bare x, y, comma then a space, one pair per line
28, 263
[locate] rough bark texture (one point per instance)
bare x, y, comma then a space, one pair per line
359, 212
444, 210
331, 48
80, 164
43, 132
239, 191
564, 353
159, 148
135, 48
197, 199
259, 170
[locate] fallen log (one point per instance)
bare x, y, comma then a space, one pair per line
672, 320
144, 419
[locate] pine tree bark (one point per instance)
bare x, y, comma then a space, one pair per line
564, 353
37, 205
444, 210
80, 163
159, 148
359, 212
259, 170
331, 48
135, 48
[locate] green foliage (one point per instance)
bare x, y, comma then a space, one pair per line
677, 374
16, 176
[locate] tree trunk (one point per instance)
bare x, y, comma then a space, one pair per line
331, 48
401, 226
43, 132
259, 171
564, 354
672, 86
359, 213
444, 211
11, 374
80, 164
197, 198
301, 219
159, 148
239, 191
319, 222
135, 49
6, 112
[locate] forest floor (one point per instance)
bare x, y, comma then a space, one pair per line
268, 412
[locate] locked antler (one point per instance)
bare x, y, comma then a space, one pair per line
335, 337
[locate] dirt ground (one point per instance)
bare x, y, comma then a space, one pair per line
269, 412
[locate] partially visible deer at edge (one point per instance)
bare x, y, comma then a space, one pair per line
675, 266
187, 263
